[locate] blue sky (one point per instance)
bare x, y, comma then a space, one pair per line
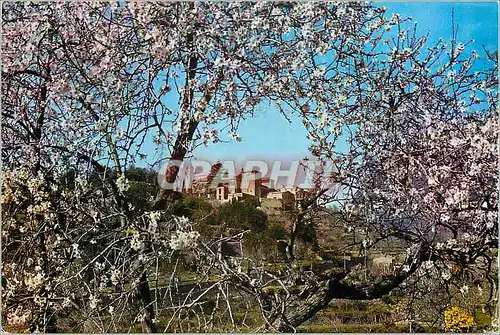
269, 135
475, 20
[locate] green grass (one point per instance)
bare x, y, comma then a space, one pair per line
352, 328
481, 319
275, 266
330, 312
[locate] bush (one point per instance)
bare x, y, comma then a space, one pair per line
456, 319
277, 232
307, 233
140, 194
195, 208
264, 244
243, 215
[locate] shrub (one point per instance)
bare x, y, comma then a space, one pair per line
277, 232
195, 208
456, 319
243, 215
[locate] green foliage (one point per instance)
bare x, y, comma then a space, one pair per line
143, 187
141, 194
277, 289
259, 246
67, 179
263, 245
275, 267
243, 215
307, 233
483, 320
277, 232
128, 231
195, 208
141, 175
208, 230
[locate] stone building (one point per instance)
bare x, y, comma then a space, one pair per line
286, 198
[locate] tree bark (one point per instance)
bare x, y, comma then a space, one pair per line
184, 138
306, 309
166, 195
148, 322
338, 287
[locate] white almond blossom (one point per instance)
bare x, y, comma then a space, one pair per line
93, 301
136, 243
445, 275
184, 240
122, 183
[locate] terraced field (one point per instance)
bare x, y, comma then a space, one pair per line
346, 316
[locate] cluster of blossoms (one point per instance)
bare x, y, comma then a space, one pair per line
31, 208
464, 290
184, 240
122, 183
464, 243
34, 282
136, 242
181, 222
182, 237
115, 276
435, 270
93, 302
154, 217
17, 182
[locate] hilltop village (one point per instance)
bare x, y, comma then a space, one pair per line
261, 188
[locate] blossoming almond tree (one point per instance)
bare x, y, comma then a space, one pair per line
422, 166
89, 88
87, 85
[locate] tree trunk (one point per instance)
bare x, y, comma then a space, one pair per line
147, 322
166, 195
338, 288
305, 310
185, 136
